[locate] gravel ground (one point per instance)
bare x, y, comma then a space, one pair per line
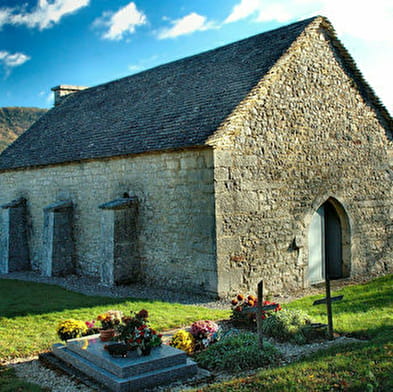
33, 371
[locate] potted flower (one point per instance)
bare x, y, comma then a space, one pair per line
109, 320
92, 329
71, 329
144, 339
135, 332
126, 328
183, 340
204, 332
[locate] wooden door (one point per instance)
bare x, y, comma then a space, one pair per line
325, 245
316, 247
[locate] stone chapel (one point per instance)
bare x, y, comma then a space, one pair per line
268, 158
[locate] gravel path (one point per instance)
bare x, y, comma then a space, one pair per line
33, 371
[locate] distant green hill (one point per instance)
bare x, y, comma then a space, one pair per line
14, 121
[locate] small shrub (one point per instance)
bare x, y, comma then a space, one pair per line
183, 340
237, 352
287, 326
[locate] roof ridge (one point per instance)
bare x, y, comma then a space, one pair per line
205, 52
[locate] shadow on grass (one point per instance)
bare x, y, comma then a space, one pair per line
19, 298
376, 294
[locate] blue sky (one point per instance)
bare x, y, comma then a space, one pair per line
44, 43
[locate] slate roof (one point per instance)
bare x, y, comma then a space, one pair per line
176, 105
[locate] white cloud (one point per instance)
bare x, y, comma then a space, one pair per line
243, 10
186, 25
124, 21
43, 16
4, 16
275, 11
370, 22
135, 67
12, 60
358, 19
264, 11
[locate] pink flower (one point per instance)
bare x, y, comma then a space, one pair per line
90, 324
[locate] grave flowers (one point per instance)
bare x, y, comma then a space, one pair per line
71, 329
242, 309
128, 324
183, 340
204, 332
109, 320
136, 334
144, 339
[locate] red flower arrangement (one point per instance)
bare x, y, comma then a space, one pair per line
144, 337
241, 304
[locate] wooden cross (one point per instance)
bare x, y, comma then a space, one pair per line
259, 309
328, 301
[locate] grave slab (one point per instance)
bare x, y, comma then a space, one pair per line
164, 365
92, 349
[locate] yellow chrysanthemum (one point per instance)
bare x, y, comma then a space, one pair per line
183, 340
70, 329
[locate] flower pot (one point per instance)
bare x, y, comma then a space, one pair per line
144, 351
106, 334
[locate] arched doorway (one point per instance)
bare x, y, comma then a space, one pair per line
328, 243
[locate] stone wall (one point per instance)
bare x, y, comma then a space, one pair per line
175, 212
303, 136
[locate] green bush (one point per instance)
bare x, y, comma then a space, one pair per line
236, 353
288, 326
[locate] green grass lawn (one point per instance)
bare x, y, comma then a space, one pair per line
30, 312
365, 312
